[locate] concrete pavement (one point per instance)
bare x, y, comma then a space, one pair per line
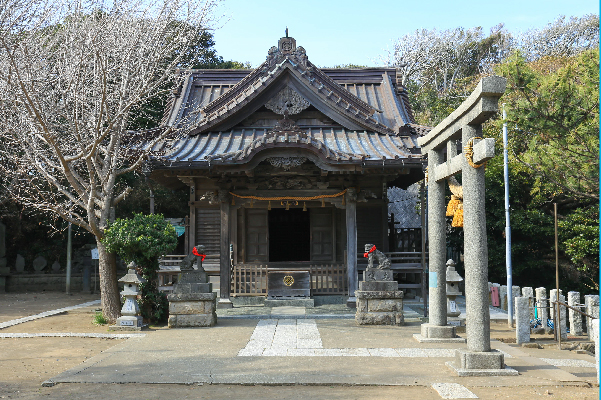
256, 345
292, 347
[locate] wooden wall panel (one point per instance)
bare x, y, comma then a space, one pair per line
208, 232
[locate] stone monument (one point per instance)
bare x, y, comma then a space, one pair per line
20, 264
193, 302
379, 302
4, 269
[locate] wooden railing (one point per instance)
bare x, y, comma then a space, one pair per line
328, 279
251, 279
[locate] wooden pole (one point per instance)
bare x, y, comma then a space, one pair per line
557, 324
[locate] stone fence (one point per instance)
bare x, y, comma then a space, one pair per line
45, 282
541, 307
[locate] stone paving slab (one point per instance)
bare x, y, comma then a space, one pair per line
453, 391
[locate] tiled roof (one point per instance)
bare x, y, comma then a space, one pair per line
338, 145
202, 95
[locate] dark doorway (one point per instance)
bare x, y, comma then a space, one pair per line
289, 234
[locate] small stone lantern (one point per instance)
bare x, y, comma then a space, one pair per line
453, 280
130, 319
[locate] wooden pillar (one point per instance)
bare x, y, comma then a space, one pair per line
192, 221
224, 253
351, 244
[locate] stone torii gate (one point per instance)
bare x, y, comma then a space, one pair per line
465, 125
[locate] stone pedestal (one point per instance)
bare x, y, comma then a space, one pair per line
193, 302
192, 309
438, 334
480, 363
379, 303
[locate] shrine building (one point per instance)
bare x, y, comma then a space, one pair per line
288, 167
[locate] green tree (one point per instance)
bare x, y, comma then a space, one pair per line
553, 117
143, 239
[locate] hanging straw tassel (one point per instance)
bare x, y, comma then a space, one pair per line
233, 200
323, 202
458, 217
452, 206
343, 200
287, 206
304, 206
251, 203
269, 205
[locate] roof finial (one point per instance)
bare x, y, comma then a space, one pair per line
286, 31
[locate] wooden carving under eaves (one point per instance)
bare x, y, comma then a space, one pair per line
285, 135
288, 66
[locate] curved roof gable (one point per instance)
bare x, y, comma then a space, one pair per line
287, 65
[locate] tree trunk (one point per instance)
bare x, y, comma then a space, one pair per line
109, 294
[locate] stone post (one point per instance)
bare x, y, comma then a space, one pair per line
351, 245
591, 306
552, 300
522, 320
503, 297
475, 250
516, 292
595, 335
575, 318
224, 252
529, 294
542, 304
563, 320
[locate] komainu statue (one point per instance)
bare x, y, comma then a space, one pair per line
372, 253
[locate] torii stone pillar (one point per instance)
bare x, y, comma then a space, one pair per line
465, 125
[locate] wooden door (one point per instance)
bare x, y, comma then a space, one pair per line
257, 236
322, 234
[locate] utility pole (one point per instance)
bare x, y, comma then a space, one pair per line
507, 225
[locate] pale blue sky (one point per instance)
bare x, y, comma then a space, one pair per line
359, 32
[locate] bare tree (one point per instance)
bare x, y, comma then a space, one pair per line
71, 76
562, 37
439, 58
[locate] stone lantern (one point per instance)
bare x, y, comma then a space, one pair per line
453, 280
130, 319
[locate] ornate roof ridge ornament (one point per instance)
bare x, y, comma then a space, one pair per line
354, 113
286, 125
287, 100
286, 162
